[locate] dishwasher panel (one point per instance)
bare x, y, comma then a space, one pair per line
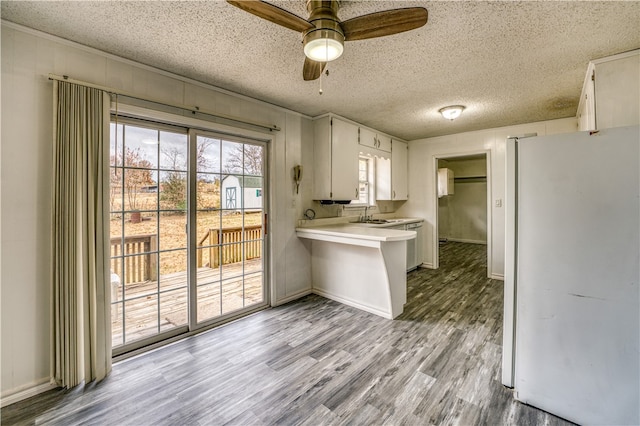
414, 247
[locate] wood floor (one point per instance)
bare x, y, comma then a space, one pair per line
315, 362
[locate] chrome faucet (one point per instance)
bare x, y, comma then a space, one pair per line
365, 213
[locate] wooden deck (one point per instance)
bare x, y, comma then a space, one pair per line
155, 306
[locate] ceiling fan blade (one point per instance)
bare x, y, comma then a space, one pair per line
274, 14
312, 69
384, 23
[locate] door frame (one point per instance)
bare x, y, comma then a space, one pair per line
510, 263
194, 325
239, 133
435, 234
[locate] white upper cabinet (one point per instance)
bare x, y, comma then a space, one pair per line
335, 159
383, 178
587, 106
445, 182
610, 93
399, 170
373, 139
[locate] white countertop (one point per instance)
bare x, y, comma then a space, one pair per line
390, 222
353, 220
338, 233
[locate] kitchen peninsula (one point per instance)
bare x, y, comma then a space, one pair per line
360, 266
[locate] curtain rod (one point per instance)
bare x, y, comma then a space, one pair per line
193, 109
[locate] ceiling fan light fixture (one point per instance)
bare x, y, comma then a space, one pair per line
451, 112
323, 45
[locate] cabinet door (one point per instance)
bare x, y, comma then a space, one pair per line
322, 159
399, 167
383, 178
587, 113
344, 160
616, 93
384, 143
367, 137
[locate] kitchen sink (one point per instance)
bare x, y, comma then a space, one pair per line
377, 221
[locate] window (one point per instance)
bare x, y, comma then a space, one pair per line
365, 181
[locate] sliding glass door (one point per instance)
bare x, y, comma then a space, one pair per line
187, 230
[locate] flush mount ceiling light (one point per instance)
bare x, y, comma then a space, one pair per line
324, 45
451, 112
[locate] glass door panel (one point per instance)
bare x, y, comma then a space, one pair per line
148, 232
229, 226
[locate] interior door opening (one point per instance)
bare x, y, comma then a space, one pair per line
463, 203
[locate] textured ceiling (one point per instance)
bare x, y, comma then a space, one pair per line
507, 62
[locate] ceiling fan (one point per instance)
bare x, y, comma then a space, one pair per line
324, 34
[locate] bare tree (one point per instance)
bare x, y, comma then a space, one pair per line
174, 184
173, 159
202, 162
250, 160
136, 175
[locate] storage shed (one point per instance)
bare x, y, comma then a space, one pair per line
240, 192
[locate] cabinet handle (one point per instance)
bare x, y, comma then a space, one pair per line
357, 195
394, 194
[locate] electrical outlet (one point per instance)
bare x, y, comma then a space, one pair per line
499, 202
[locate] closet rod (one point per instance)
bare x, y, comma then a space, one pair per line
469, 177
193, 109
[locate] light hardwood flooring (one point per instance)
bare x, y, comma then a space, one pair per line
315, 362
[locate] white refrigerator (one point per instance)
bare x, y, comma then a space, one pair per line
575, 274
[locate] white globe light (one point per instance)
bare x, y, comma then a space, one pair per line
323, 49
451, 112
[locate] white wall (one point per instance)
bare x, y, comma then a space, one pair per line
26, 170
422, 178
463, 215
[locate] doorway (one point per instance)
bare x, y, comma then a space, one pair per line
184, 254
463, 202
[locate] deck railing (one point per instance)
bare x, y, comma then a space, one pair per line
225, 245
136, 255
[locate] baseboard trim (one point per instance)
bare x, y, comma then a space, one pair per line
497, 277
352, 303
426, 266
291, 298
13, 396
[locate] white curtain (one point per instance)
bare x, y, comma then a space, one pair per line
81, 335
